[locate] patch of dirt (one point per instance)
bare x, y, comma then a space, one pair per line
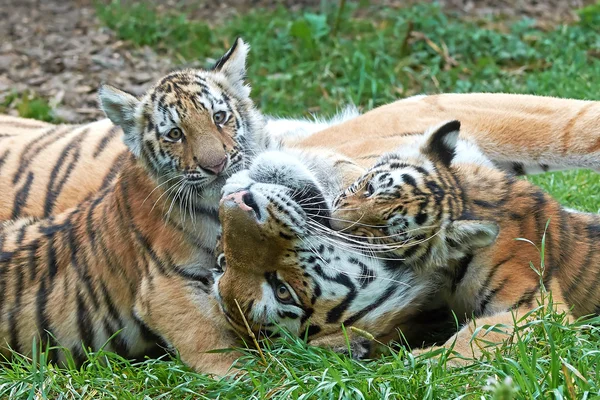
57, 49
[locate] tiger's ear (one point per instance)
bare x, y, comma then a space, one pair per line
233, 66
440, 144
120, 107
473, 234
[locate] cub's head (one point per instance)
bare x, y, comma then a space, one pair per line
410, 204
280, 265
193, 124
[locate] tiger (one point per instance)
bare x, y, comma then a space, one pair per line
48, 168
456, 218
281, 264
128, 268
54, 168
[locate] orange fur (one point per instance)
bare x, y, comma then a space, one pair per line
485, 280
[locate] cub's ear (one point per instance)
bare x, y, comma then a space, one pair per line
233, 66
473, 234
120, 107
440, 143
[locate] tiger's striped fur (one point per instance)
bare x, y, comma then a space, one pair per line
54, 167
457, 220
135, 256
285, 266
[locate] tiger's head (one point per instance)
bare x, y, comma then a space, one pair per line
280, 264
410, 204
194, 127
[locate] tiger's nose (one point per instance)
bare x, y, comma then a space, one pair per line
217, 168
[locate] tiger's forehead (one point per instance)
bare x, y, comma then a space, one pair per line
190, 89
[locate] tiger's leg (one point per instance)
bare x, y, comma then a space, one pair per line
484, 333
185, 315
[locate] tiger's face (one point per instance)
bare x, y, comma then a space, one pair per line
280, 265
408, 204
194, 127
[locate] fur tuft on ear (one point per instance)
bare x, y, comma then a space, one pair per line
120, 107
441, 142
473, 234
233, 65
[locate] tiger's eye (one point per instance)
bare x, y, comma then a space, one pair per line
220, 117
369, 190
175, 135
283, 293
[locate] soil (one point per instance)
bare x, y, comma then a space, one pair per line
57, 49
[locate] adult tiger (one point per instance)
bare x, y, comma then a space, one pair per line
49, 168
136, 255
282, 263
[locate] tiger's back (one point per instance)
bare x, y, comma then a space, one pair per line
47, 168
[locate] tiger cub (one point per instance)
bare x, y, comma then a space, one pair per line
135, 258
441, 208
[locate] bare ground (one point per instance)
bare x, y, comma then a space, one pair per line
57, 49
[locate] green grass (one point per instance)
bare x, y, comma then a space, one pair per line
30, 106
297, 66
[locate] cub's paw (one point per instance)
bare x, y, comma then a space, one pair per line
356, 347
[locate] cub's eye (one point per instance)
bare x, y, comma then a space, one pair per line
370, 189
220, 117
174, 135
283, 294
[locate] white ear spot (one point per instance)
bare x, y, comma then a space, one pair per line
120, 107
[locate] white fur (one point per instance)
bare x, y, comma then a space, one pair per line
288, 128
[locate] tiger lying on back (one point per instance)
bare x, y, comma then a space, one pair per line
446, 212
285, 266
136, 256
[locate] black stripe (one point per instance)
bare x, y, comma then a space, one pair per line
145, 332
14, 312
3, 158
336, 312
80, 266
489, 297
366, 276
105, 140
73, 149
386, 295
527, 297
31, 151
51, 255
461, 270
43, 324
84, 323
116, 167
21, 197
518, 168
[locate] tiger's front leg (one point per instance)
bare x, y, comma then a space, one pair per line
187, 317
482, 335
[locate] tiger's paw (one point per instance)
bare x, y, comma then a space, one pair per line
356, 347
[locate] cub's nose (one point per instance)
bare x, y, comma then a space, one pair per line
217, 168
